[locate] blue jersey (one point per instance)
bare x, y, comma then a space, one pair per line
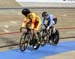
51, 21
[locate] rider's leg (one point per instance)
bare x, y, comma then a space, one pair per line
35, 39
53, 28
36, 29
35, 33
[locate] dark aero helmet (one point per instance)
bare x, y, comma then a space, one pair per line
44, 14
25, 11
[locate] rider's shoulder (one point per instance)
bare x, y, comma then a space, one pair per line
33, 14
51, 15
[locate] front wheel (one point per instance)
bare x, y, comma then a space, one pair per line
43, 38
43, 41
23, 42
55, 37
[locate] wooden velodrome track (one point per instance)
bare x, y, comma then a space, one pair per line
11, 19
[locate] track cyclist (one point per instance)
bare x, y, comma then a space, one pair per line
31, 20
49, 20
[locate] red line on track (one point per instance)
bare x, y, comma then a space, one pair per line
20, 32
9, 33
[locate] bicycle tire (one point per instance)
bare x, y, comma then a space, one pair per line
24, 44
43, 40
55, 37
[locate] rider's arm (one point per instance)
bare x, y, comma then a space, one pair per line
33, 19
51, 21
39, 23
42, 21
24, 23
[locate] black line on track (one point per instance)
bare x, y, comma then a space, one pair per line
18, 43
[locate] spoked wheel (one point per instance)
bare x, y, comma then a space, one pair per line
50, 40
43, 38
43, 41
55, 37
23, 42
